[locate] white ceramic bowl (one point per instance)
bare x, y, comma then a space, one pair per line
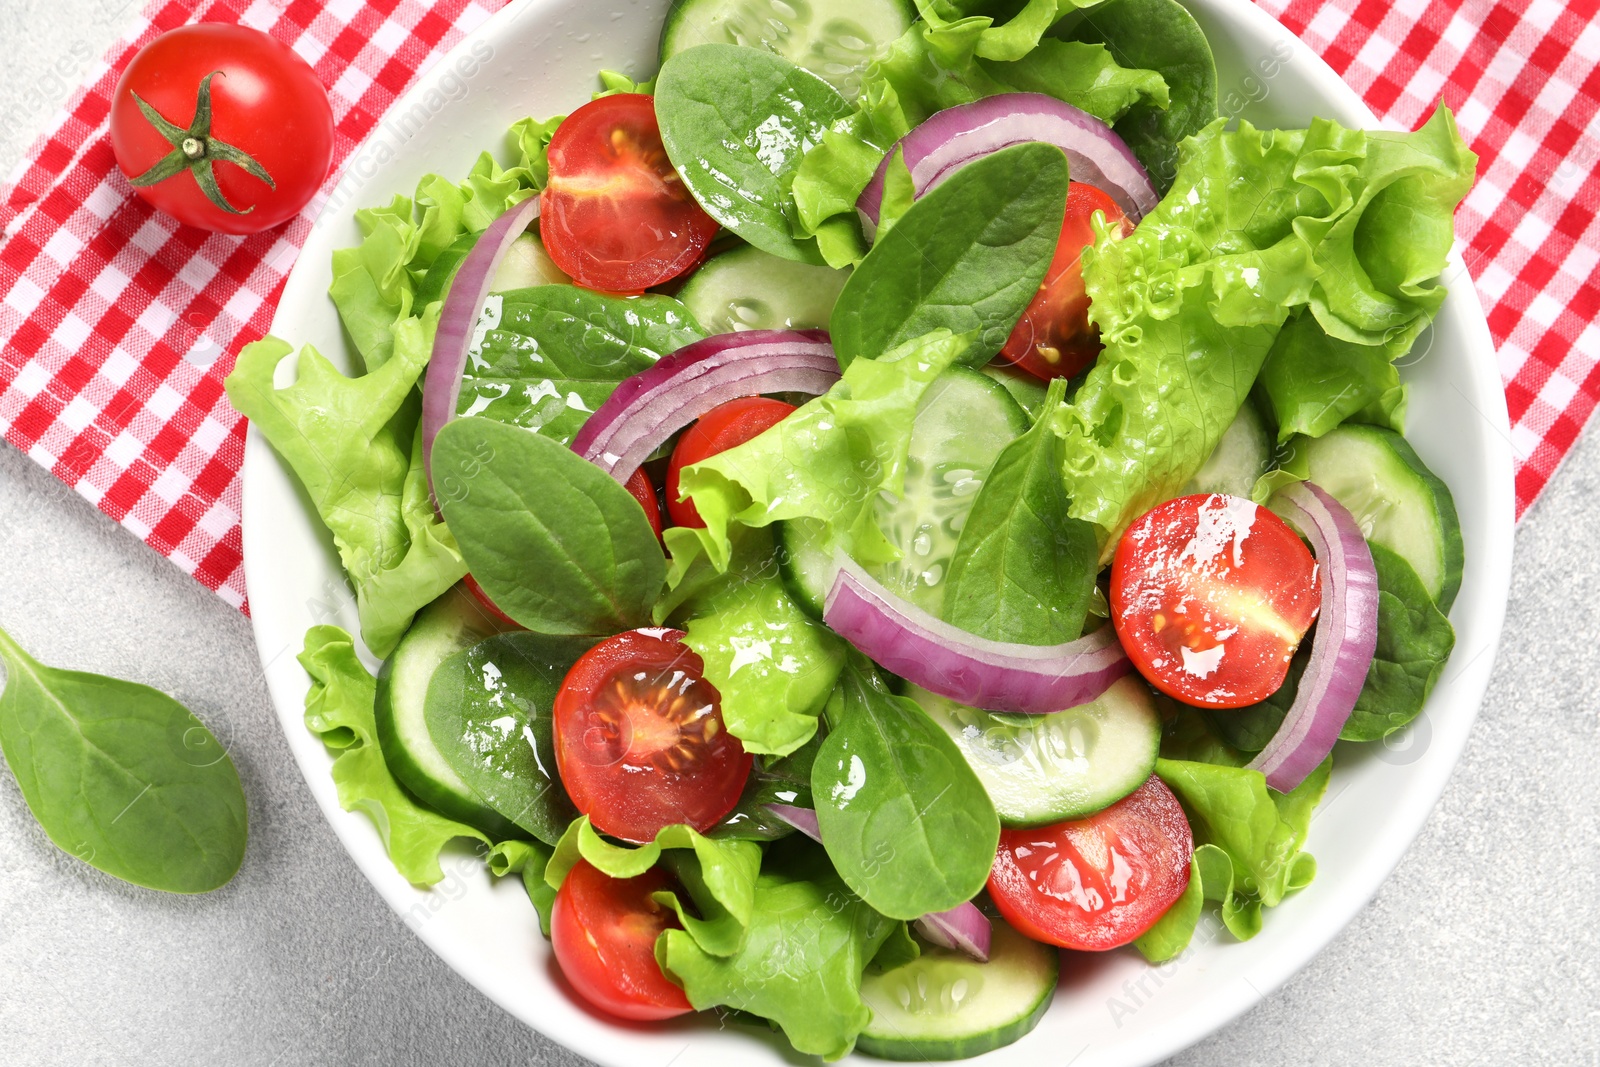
539, 57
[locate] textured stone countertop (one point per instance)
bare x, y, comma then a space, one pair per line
1481, 949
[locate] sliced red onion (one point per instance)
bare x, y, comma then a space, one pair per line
656, 403
963, 928
993, 675
954, 137
1343, 646
458, 321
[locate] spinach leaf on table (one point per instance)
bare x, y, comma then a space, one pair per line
546, 357
1024, 570
736, 121
905, 820
967, 257
121, 776
556, 542
1162, 36
489, 712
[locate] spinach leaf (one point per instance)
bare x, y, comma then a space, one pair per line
1414, 643
488, 711
905, 820
1313, 382
773, 780
735, 122
555, 541
800, 966
1024, 570
339, 710
967, 257
121, 776
1162, 36
545, 358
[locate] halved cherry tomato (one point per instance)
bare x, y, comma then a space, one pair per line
723, 427
640, 740
1054, 338
1098, 882
615, 215
643, 491
1211, 596
603, 931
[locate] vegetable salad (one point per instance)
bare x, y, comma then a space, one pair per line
880, 503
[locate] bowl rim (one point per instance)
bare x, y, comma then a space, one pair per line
1166, 1036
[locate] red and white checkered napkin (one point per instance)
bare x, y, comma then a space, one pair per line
1523, 77
119, 325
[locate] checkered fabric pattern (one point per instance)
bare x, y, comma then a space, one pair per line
1523, 78
119, 325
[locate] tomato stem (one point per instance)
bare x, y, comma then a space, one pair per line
195, 150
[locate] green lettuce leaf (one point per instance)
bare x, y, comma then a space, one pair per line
1257, 224
802, 959
773, 664
339, 710
352, 443
1248, 837
829, 460
1312, 382
528, 860
718, 874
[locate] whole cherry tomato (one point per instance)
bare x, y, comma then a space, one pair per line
222, 127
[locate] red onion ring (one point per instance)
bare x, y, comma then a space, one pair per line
1343, 646
993, 675
954, 137
963, 928
458, 319
660, 400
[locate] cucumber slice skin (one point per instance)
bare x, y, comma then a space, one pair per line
1396, 500
1046, 769
748, 289
450, 624
836, 44
1016, 985
1242, 455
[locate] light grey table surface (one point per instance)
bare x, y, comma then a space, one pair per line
1482, 949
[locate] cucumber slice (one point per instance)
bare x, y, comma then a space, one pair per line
1242, 456
450, 624
833, 39
944, 1006
805, 562
1041, 769
964, 420
748, 289
1396, 500
1024, 388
